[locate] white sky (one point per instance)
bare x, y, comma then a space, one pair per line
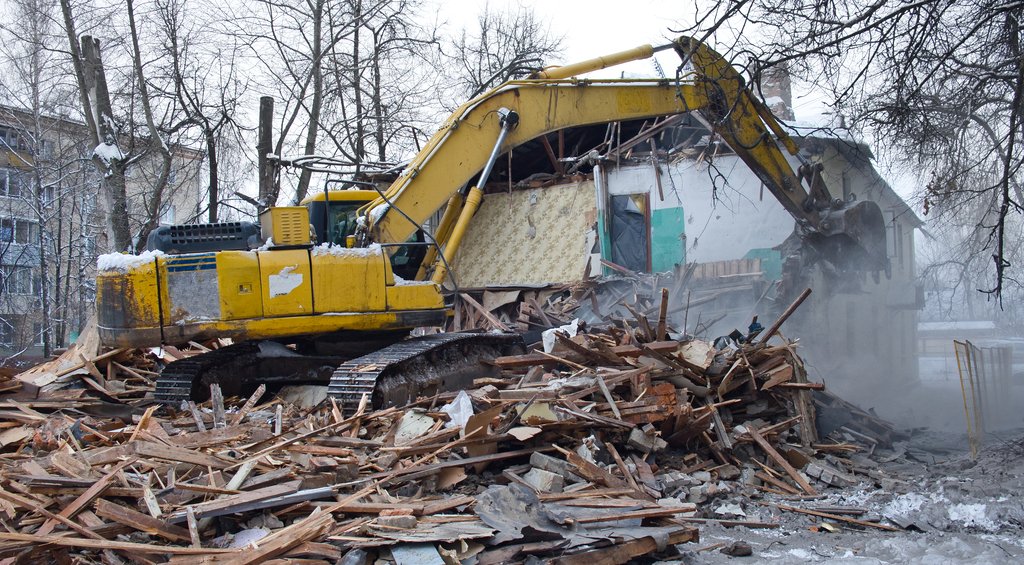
598, 27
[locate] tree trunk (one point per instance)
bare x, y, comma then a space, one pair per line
156, 143
211, 150
115, 194
378, 105
360, 130
315, 106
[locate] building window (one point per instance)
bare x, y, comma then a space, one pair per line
18, 280
13, 230
6, 333
167, 215
14, 183
14, 139
892, 235
37, 333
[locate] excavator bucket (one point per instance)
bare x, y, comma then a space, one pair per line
852, 237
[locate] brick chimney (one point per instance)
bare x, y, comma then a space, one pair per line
777, 91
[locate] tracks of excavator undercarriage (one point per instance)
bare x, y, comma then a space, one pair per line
393, 375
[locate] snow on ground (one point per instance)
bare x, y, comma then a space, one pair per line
954, 510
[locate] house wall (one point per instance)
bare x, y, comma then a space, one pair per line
529, 237
863, 332
718, 224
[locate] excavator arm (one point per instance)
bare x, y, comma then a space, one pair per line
441, 171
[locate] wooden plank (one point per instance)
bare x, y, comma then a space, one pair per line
777, 483
193, 527
838, 517
778, 376
178, 454
626, 551
206, 438
217, 399
608, 396
590, 471
531, 359
414, 473
197, 416
85, 498
802, 386
38, 509
785, 316
779, 459
622, 467
224, 505
663, 314
495, 322
641, 514
37, 539
139, 521
249, 404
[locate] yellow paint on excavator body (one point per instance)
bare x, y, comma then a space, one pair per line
272, 293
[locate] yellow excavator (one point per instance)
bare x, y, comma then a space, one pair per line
329, 290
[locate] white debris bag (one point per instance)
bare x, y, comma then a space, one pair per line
548, 337
459, 410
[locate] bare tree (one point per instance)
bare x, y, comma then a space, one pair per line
98, 114
202, 81
504, 45
156, 142
43, 183
378, 76
938, 83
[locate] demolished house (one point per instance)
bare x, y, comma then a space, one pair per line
666, 197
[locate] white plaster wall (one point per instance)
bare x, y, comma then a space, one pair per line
721, 224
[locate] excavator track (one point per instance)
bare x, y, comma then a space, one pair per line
174, 384
392, 375
238, 368
397, 374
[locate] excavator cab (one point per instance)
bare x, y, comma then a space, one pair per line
334, 219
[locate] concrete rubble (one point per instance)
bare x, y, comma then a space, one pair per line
624, 442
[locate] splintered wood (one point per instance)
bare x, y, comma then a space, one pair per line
600, 449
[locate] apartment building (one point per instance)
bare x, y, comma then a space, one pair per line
51, 224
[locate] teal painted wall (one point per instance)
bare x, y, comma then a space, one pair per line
771, 262
668, 225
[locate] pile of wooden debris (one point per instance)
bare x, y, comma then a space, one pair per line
599, 446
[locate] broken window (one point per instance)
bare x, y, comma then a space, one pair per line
630, 232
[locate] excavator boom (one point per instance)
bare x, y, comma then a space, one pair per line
555, 100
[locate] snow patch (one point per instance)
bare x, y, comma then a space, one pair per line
108, 152
800, 553
337, 250
905, 504
123, 262
972, 516
378, 212
284, 282
399, 281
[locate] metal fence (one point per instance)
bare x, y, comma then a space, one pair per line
984, 382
